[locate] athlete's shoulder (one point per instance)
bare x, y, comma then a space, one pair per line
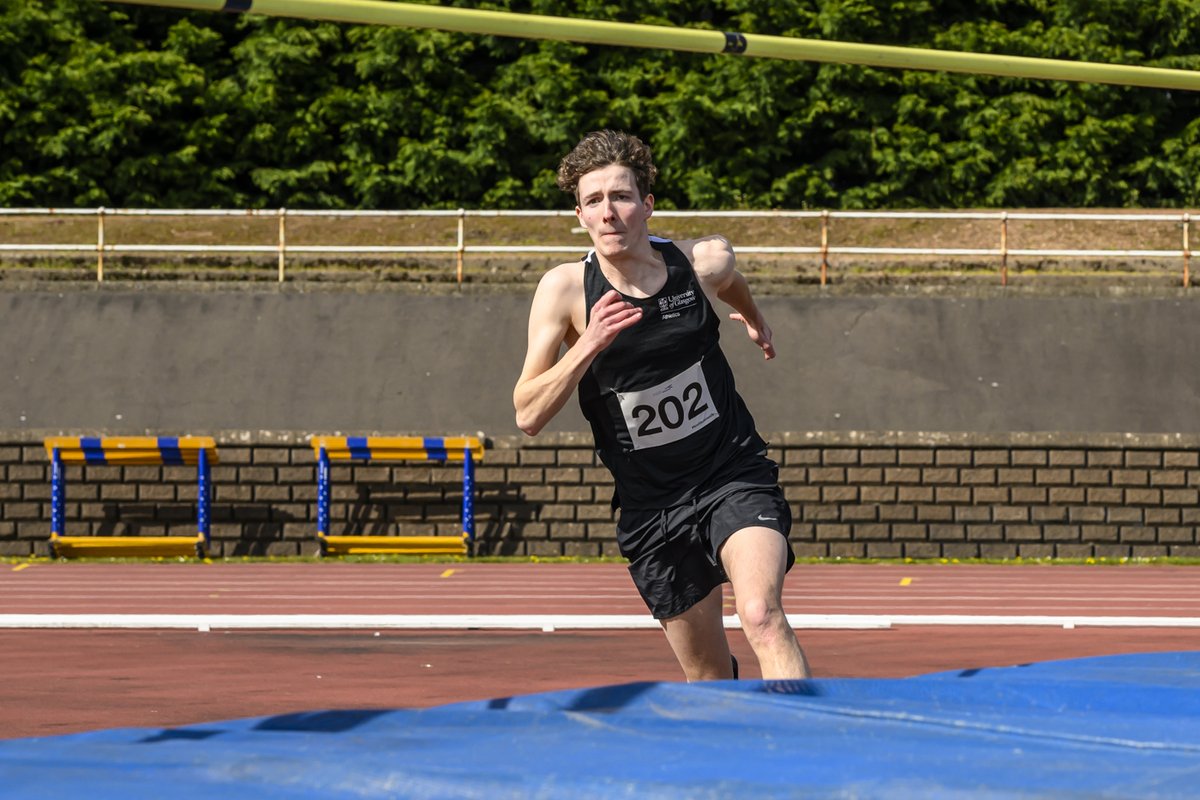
714, 247
712, 257
563, 279
672, 252
558, 302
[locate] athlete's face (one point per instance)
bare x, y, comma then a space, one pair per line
612, 209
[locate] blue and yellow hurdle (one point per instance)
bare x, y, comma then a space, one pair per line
198, 451
467, 449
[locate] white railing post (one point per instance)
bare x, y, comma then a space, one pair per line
1004, 249
100, 244
462, 240
824, 245
1187, 249
282, 240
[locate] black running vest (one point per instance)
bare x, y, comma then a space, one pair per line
665, 414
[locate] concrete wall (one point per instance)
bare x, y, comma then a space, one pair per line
924, 426
127, 361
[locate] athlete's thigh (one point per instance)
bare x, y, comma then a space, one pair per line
749, 529
756, 560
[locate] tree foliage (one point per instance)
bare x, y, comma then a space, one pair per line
104, 104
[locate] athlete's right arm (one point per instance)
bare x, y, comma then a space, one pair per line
547, 382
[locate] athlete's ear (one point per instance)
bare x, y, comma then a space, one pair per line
648, 201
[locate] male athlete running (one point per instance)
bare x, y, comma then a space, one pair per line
699, 499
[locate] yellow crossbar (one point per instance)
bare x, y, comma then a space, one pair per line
392, 545
121, 450
126, 546
399, 448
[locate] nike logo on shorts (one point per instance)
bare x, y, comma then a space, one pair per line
761, 518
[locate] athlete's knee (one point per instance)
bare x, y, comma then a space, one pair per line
762, 617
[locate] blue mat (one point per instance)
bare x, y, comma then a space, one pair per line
1120, 726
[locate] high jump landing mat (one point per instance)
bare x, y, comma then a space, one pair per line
1119, 726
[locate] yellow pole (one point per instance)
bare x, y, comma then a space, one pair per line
536, 26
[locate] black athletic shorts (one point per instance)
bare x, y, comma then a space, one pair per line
674, 553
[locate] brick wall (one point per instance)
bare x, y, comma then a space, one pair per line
853, 495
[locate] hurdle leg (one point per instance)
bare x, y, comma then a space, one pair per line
468, 501
203, 502
57, 500
323, 493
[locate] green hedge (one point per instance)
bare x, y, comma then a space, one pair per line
109, 104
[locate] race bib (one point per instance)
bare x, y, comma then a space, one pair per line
670, 411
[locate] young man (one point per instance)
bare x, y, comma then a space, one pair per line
699, 500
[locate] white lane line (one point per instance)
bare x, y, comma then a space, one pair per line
548, 622
1057, 621
544, 622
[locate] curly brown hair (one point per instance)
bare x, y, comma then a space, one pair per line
600, 149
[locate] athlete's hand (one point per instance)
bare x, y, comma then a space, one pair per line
759, 334
611, 315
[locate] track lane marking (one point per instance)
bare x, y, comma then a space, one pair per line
551, 622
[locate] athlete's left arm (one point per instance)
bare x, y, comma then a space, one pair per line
716, 268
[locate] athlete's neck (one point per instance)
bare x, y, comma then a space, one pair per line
636, 274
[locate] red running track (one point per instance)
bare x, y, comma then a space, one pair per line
59, 681
492, 588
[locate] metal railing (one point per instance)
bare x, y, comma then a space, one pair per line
824, 249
